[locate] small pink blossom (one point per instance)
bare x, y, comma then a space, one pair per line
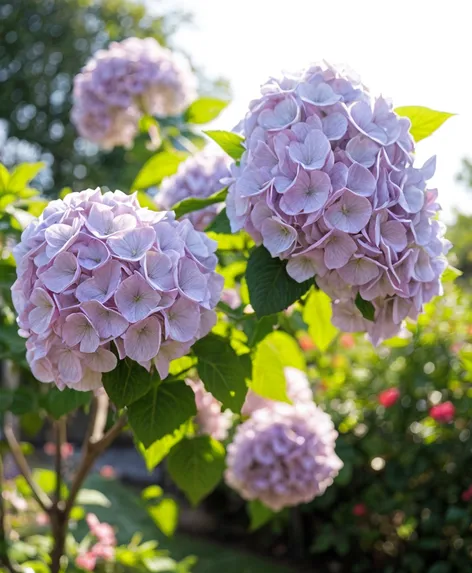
389, 397
443, 413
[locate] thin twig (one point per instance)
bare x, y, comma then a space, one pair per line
4, 557
41, 497
92, 451
101, 416
60, 429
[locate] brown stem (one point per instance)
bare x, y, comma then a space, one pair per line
41, 497
60, 435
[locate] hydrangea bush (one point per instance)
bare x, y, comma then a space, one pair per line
119, 302
327, 182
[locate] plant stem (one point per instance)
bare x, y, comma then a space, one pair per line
15, 448
60, 428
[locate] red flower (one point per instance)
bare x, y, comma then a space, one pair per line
467, 494
347, 340
306, 342
66, 449
443, 412
359, 510
107, 472
387, 398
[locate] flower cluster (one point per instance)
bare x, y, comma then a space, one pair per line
327, 182
283, 455
298, 390
102, 550
199, 176
121, 84
443, 413
97, 268
211, 421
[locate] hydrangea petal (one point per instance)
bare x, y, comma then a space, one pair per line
132, 245
143, 339
135, 298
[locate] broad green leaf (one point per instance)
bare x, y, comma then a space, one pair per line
424, 121
146, 201
258, 328
317, 314
24, 400
22, 175
271, 289
161, 411
451, 274
127, 382
92, 497
165, 515
259, 514
157, 451
230, 142
193, 204
196, 465
4, 178
61, 402
366, 307
220, 224
161, 165
6, 399
221, 371
276, 351
204, 110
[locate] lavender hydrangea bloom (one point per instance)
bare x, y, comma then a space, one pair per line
199, 176
327, 183
97, 269
283, 455
298, 390
120, 84
211, 421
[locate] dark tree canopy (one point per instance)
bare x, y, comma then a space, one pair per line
44, 44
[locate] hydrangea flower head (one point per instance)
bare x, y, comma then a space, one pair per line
211, 421
283, 455
199, 176
298, 390
121, 84
327, 182
99, 275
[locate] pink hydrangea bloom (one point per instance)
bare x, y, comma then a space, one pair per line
298, 390
199, 176
211, 421
443, 413
98, 273
327, 183
283, 455
121, 84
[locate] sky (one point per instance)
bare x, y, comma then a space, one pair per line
416, 52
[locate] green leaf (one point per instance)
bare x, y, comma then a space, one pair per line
276, 351
204, 110
156, 452
221, 370
152, 492
22, 175
158, 167
196, 465
4, 178
193, 204
220, 224
127, 382
92, 497
230, 142
424, 121
24, 400
161, 411
147, 201
259, 514
256, 329
61, 402
165, 515
451, 274
6, 399
271, 289
317, 315
366, 307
